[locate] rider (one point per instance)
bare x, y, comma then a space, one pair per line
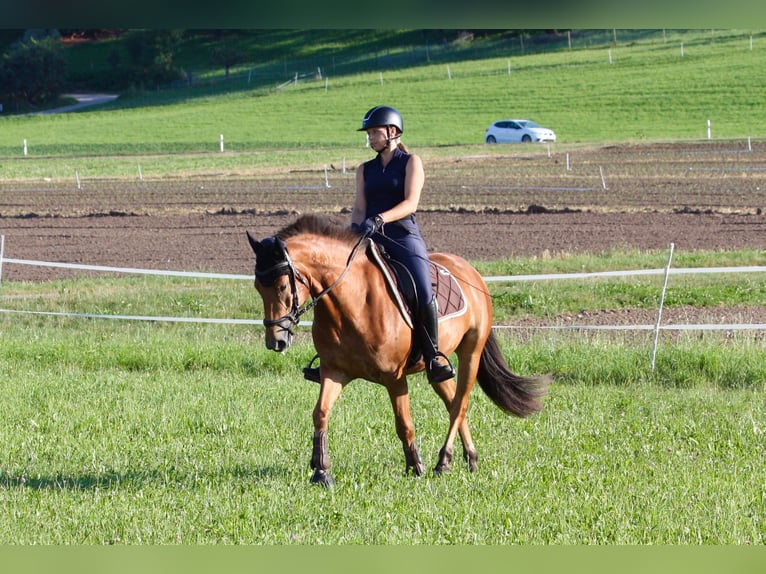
388, 189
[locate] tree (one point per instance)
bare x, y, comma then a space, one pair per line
227, 56
33, 71
152, 54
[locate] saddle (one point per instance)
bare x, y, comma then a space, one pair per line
449, 294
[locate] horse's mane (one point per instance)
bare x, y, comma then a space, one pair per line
319, 224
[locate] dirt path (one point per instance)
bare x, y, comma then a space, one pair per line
83, 100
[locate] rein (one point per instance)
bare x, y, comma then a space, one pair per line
287, 267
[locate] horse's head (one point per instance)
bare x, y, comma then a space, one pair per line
275, 281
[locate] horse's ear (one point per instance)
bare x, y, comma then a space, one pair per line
253, 243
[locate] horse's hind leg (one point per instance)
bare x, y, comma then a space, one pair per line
405, 430
446, 392
456, 398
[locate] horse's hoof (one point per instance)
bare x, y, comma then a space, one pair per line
323, 478
443, 464
472, 459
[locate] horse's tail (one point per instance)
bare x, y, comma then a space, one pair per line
515, 395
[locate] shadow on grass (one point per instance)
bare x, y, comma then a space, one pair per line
111, 480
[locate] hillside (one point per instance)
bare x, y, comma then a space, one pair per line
266, 57
303, 107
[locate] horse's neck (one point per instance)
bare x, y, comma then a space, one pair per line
327, 266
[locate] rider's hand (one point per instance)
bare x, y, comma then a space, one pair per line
371, 225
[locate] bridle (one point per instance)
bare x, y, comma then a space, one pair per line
285, 266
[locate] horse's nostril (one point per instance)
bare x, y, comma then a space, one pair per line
280, 345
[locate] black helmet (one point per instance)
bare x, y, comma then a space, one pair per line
382, 116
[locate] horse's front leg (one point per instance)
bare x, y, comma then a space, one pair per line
405, 430
320, 457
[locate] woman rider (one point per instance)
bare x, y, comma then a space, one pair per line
388, 189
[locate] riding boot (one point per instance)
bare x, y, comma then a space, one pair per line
438, 367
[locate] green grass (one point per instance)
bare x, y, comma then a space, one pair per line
152, 434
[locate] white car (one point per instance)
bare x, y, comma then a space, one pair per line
511, 131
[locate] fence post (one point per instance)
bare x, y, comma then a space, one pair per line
2, 253
659, 311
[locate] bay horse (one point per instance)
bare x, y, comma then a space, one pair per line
359, 333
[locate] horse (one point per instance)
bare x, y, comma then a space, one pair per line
359, 332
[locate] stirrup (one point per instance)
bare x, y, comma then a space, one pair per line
439, 373
311, 373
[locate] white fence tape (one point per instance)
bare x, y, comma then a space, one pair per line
668, 327
131, 270
628, 273
491, 279
142, 317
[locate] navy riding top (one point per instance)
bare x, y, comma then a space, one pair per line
384, 188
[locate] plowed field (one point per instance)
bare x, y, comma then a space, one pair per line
700, 195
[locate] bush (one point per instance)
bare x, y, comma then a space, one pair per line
33, 71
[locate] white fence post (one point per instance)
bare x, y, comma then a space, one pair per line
2, 252
659, 311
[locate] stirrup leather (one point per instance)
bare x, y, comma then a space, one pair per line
311, 373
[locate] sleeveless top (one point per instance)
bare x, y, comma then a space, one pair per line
384, 188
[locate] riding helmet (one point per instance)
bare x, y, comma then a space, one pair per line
382, 116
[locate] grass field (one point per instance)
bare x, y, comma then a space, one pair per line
134, 433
